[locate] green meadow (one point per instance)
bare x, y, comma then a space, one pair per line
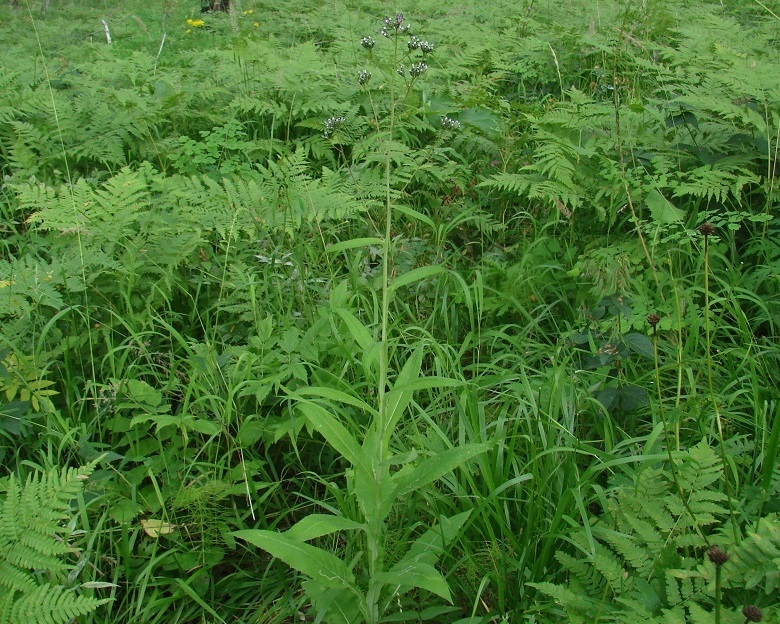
359, 312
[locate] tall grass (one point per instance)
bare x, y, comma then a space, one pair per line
424, 321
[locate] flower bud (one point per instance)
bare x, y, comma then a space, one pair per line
752, 613
717, 556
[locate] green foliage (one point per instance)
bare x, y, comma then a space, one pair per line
643, 556
291, 292
33, 540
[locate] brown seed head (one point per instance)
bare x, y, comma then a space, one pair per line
717, 556
752, 613
653, 320
706, 229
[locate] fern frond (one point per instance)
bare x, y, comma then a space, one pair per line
756, 561
31, 519
49, 604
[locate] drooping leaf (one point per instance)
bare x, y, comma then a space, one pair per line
661, 210
336, 435
314, 562
317, 525
431, 469
408, 575
430, 545
416, 275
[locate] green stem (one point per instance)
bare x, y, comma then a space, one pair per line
717, 595
711, 384
667, 437
374, 534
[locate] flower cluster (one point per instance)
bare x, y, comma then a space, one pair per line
367, 42
393, 26
418, 69
331, 125
415, 43
195, 23
448, 123
363, 76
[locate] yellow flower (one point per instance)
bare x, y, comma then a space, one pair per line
256, 24
249, 12
199, 23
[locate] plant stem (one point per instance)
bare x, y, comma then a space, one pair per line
711, 384
717, 595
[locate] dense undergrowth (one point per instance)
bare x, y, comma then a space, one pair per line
460, 314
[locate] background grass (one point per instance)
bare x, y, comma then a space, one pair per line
166, 282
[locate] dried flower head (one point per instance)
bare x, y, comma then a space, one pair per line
706, 229
752, 613
653, 320
414, 43
426, 47
367, 42
717, 556
363, 76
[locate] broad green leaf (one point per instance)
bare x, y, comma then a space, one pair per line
414, 214
337, 395
399, 397
317, 525
353, 243
375, 499
334, 606
336, 435
314, 562
639, 343
356, 329
206, 427
430, 545
142, 392
661, 210
482, 118
415, 275
408, 575
770, 453
431, 469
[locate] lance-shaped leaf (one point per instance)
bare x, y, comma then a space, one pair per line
408, 481
359, 332
335, 395
400, 396
415, 275
354, 243
317, 525
430, 545
408, 575
375, 496
322, 566
334, 606
336, 435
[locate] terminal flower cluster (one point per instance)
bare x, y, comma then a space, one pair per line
448, 123
417, 69
415, 43
331, 125
393, 26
